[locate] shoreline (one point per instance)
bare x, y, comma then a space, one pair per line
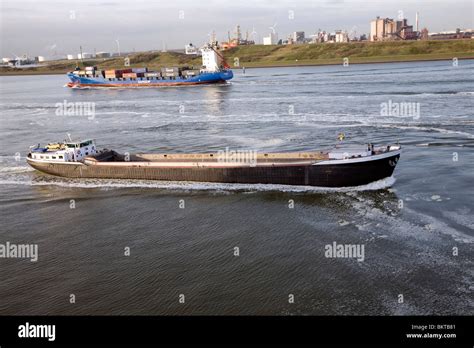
270, 65
292, 65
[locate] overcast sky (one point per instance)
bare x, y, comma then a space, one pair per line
51, 27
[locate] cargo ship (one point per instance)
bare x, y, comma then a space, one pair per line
214, 70
338, 167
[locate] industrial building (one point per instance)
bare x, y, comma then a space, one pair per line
18, 61
271, 39
341, 36
388, 29
452, 35
298, 37
103, 55
84, 55
237, 40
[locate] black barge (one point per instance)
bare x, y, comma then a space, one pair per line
333, 168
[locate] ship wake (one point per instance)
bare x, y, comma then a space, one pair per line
184, 186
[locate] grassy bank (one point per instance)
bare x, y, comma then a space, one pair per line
357, 52
290, 55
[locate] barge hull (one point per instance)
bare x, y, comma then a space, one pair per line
322, 174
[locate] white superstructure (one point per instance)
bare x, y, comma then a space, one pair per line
211, 61
73, 151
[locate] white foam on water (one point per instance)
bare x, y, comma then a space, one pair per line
443, 228
435, 129
120, 112
16, 169
400, 226
465, 218
189, 186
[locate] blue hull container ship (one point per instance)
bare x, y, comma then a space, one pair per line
214, 70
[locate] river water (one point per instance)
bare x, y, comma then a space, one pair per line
245, 249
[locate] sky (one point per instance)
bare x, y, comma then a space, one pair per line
58, 27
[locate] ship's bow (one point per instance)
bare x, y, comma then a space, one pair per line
226, 75
75, 80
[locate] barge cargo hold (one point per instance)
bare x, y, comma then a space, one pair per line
334, 168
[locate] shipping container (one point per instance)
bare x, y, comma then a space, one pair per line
190, 72
171, 74
170, 70
129, 75
91, 68
139, 70
110, 72
109, 76
152, 74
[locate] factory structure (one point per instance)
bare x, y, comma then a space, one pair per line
388, 29
25, 60
237, 39
381, 29
21, 61
271, 39
452, 35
